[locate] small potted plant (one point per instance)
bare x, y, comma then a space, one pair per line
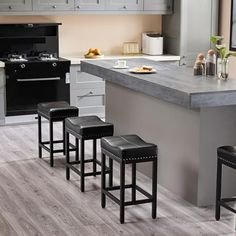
223, 55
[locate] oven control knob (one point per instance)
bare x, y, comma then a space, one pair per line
54, 64
22, 66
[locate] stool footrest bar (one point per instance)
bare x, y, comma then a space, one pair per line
137, 202
223, 204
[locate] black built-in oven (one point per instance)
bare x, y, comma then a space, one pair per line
34, 71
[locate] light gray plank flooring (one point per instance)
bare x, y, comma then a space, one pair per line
37, 200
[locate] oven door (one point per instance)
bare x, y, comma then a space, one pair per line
23, 95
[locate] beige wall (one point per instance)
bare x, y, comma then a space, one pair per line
107, 32
225, 31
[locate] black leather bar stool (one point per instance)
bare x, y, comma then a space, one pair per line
129, 149
54, 112
226, 156
85, 128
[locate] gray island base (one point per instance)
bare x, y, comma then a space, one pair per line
187, 117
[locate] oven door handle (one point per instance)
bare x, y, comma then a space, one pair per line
38, 79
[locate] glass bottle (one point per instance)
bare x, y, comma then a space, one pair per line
198, 68
223, 68
210, 64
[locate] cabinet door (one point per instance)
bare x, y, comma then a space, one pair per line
53, 5
89, 5
15, 5
162, 6
87, 92
124, 5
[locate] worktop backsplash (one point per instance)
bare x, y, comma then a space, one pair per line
107, 32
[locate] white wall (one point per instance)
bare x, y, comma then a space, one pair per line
107, 32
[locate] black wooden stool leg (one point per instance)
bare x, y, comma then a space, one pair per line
122, 192
64, 137
103, 180
82, 164
94, 157
67, 140
51, 142
154, 189
218, 189
40, 135
110, 172
77, 149
133, 182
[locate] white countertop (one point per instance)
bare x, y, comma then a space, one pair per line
76, 60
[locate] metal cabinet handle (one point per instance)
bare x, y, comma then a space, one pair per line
38, 79
91, 92
54, 6
22, 66
54, 64
78, 6
124, 7
10, 7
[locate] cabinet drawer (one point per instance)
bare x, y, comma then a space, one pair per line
88, 85
15, 5
96, 111
53, 5
89, 101
158, 5
124, 5
90, 91
89, 5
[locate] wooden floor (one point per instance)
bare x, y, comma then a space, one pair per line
37, 200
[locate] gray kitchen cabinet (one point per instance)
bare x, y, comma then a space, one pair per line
15, 5
2, 96
188, 30
90, 5
87, 92
53, 5
124, 5
161, 6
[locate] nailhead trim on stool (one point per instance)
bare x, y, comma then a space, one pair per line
128, 149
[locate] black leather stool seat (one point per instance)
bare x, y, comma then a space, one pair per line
57, 110
89, 127
227, 154
129, 147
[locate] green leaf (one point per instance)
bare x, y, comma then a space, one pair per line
215, 39
229, 54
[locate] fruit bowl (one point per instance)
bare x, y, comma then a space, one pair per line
94, 53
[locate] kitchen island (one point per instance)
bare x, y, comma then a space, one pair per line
188, 117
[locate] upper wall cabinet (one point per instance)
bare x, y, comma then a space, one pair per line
15, 5
89, 5
47, 7
162, 6
124, 5
53, 5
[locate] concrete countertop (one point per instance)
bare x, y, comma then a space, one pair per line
171, 83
